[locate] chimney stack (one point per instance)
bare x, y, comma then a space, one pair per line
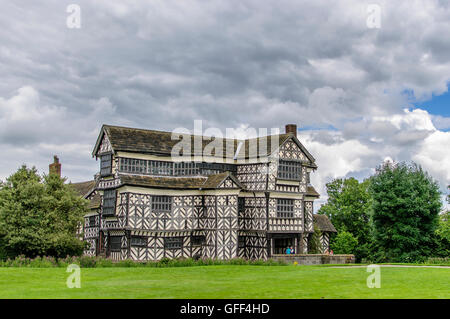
55, 167
291, 128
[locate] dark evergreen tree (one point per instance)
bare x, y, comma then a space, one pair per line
406, 205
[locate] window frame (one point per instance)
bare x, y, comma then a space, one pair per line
241, 241
92, 218
111, 209
289, 170
111, 243
106, 165
161, 203
138, 241
285, 208
173, 243
198, 240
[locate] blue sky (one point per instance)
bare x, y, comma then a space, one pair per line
437, 105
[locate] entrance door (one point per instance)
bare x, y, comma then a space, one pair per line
281, 244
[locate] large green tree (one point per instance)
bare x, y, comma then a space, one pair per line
39, 215
406, 205
348, 207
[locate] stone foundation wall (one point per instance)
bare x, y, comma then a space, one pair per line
313, 259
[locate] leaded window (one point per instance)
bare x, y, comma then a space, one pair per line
198, 240
186, 169
289, 170
241, 241
91, 221
160, 168
132, 165
285, 208
161, 203
109, 202
216, 168
173, 242
138, 241
164, 168
115, 243
241, 204
105, 164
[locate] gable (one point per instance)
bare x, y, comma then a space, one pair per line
103, 144
292, 149
228, 183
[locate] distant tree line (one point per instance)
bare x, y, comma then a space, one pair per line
393, 216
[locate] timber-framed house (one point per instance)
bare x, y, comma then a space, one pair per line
146, 206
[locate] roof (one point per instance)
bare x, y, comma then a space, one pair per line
311, 191
323, 223
136, 140
83, 188
210, 182
95, 201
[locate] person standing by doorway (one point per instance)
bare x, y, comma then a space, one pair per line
288, 251
292, 250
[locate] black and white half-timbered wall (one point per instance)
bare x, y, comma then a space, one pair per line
146, 206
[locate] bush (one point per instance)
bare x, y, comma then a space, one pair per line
101, 262
438, 260
344, 243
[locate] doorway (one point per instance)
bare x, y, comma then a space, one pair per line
281, 244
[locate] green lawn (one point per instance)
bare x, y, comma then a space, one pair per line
225, 282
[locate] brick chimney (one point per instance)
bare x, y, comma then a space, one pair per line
55, 167
291, 128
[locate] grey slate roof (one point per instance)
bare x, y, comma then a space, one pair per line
311, 191
84, 189
323, 223
145, 141
210, 182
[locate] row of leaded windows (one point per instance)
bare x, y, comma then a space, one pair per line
285, 208
150, 167
289, 170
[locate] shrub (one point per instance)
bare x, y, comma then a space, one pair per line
438, 260
344, 243
101, 262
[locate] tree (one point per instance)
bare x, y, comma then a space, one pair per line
348, 208
39, 215
406, 204
344, 243
442, 247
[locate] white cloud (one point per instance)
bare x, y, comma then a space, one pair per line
163, 64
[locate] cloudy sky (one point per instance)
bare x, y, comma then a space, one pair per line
359, 94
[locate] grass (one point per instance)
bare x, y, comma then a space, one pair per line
225, 281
